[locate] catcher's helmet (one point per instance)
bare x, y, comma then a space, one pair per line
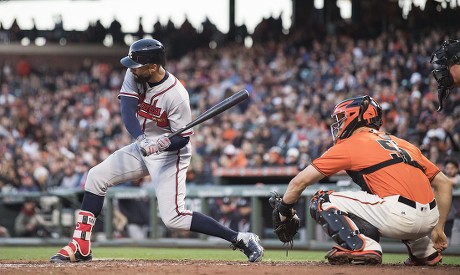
353, 113
145, 51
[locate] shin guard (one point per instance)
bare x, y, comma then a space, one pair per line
81, 241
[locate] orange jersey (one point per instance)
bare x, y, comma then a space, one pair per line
368, 148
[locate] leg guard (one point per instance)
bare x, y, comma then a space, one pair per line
336, 223
79, 248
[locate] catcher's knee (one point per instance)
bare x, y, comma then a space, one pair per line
340, 226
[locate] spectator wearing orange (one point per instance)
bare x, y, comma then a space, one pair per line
233, 157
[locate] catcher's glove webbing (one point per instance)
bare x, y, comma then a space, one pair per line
286, 229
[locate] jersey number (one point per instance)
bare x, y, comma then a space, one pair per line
390, 145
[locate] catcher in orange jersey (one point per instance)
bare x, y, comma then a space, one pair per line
396, 199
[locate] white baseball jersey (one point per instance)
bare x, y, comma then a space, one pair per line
163, 108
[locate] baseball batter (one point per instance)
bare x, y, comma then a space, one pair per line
154, 104
396, 200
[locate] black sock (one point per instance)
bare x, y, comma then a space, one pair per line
207, 225
92, 203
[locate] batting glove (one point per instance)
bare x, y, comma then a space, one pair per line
149, 147
163, 143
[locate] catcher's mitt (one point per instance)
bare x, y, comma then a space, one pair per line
286, 229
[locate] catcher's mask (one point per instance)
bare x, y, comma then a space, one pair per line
145, 51
443, 58
353, 113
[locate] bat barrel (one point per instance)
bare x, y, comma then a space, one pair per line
215, 110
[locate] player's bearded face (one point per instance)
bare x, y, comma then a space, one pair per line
142, 74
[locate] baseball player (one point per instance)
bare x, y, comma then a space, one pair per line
396, 200
446, 60
153, 104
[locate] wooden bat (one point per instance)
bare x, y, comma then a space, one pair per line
220, 107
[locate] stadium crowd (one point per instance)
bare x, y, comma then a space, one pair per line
55, 125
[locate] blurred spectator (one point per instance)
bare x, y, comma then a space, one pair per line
58, 31
16, 33
116, 32
244, 209
233, 157
292, 157
41, 177
4, 233
452, 171
23, 68
27, 184
56, 174
140, 30
7, 98
137, 213
274, 157
29, 222
4, 37
71, 177
226, 214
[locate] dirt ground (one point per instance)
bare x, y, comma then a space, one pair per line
106, 267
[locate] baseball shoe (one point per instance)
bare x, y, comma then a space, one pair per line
431, 260
249, 244
340, 256
70, 253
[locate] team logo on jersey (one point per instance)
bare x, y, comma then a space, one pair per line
152, 112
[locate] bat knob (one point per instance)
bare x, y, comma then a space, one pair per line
143, 152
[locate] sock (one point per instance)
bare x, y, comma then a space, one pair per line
207, 225
92, 203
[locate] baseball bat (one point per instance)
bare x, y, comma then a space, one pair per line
220, 107
212, 112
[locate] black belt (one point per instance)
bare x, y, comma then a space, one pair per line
413, 204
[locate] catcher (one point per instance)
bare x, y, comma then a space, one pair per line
396, 199
446, 60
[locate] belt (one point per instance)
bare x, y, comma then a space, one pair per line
413, 204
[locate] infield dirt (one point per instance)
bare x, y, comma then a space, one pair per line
106, 267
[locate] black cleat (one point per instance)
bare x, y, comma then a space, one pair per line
77, 257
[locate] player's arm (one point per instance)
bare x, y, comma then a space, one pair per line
128, 109
302, 180
442, 188
177, 142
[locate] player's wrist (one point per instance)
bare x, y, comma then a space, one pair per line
140, 138
286, 209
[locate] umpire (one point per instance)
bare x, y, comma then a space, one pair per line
446, 61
